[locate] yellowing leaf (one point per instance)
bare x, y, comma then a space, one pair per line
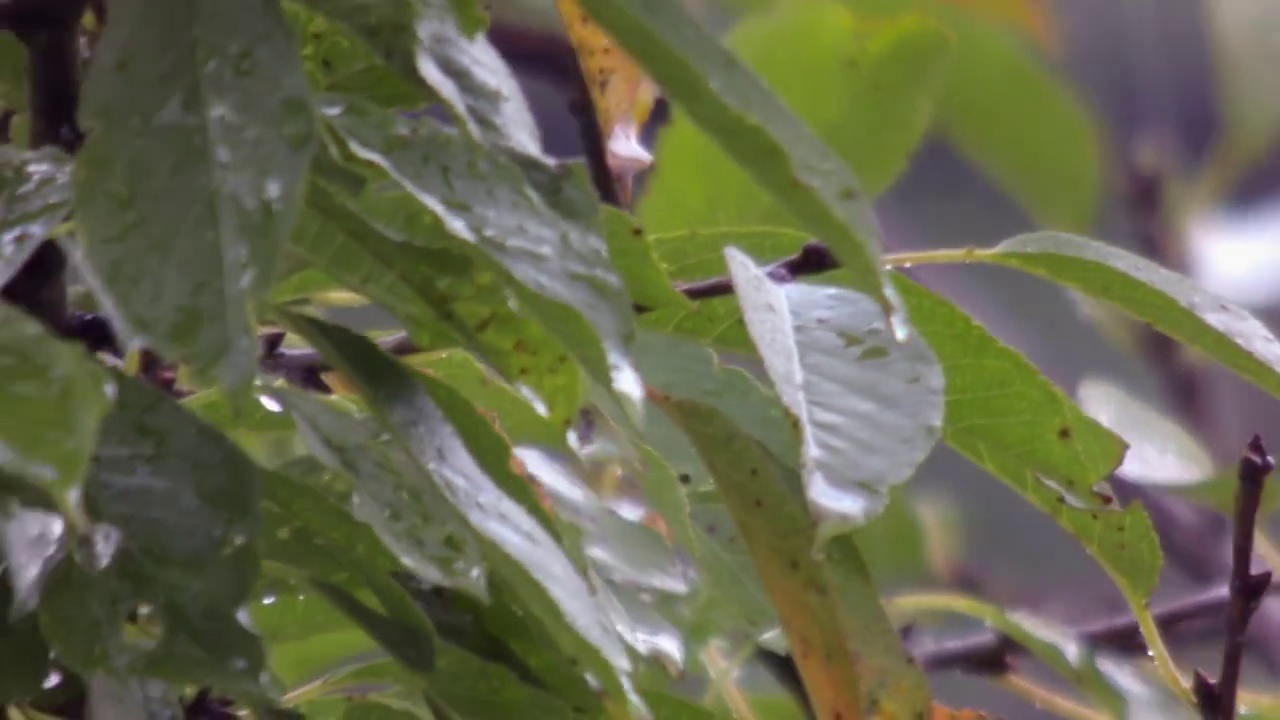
621, 93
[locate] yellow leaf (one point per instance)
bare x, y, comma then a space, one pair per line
622, 94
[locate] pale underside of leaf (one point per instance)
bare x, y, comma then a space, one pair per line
870, 407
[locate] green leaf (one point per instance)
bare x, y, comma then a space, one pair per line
866, 88
411, 643
55, 396
1028, 131
538, 221
303, 528
734, 598
517, 547
1167, 301
673, 707
383, 29
467, 72
632, 254
1001, 413
24, 657
35, 198
869, 405
1006, 417
179, 506
339, 60
181, 224
518, 420
850, 658
754, 127
446, 293
410, 517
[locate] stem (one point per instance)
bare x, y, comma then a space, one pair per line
946, 256
722, 681
1160, 654
1217, 700
1046, 699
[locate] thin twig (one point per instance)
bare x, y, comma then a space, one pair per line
1218, 699
988, 653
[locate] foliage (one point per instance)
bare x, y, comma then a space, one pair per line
556, 492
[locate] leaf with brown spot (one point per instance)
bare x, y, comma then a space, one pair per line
849, 657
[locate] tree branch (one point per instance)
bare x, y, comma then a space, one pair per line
1218, 699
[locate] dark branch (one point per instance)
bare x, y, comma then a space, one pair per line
813, 259
1218, 699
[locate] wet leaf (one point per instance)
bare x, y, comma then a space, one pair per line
35, 198
869, 406
467, 72
849, 657
445, 292
303, 528
378, 28
409, 516
539, 221
55, 396
1001, 413
181, 224
32, 542
1167, 301
516, 545
755, 128
513, 414
181, 504
866, 88
339, 57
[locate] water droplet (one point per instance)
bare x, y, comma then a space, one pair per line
268, 599
270, 404
273, 190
